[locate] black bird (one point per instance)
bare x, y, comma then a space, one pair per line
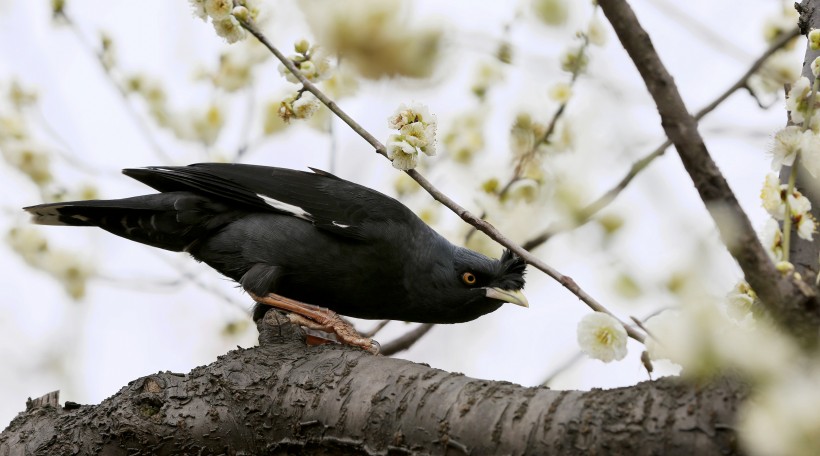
292, 237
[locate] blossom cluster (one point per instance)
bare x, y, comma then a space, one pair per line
795, 145
312, 62
226, 15
775, 197
417, 134
300, 105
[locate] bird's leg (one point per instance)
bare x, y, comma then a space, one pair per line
315, 317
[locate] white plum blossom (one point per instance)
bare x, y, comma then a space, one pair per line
739, 303
596, 32
798, 204
574, 60
198, 8
815, 66
602, 336
810, 150
224, 14
814, 39
786, 145
487, 74
299, 105
551, 12
241, 13
230, 29
772, 196
312, 62
417, 134
403, 155
777, 24
415, 112
421, 136
305, 106
797, 102
218, 9
806, 228
560, 92
772, 239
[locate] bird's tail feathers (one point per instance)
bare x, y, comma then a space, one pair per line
154, 220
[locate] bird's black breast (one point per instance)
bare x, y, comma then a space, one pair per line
363, 279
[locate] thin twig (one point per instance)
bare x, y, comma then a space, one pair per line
593, 208
405, 341
576, 70
566, 281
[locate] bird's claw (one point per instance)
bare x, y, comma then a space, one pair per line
374, 347
317, 318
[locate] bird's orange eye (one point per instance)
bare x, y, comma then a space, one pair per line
468, 278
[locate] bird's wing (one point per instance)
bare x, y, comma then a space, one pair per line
330, 203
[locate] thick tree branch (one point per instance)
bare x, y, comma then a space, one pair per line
284, 397
480, 224
791, 301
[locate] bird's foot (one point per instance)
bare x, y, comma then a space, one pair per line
318, 318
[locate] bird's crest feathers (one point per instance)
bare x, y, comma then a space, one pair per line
511, 270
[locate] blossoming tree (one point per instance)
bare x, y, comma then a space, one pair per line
744, 351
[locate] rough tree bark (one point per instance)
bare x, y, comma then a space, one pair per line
284, 397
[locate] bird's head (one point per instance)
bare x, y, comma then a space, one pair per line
478, 285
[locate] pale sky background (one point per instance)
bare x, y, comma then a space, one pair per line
142, 316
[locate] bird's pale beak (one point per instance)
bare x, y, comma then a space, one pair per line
512, 296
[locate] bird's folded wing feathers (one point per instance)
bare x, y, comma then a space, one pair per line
330, 203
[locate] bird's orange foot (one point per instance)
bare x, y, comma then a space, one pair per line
319, 318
